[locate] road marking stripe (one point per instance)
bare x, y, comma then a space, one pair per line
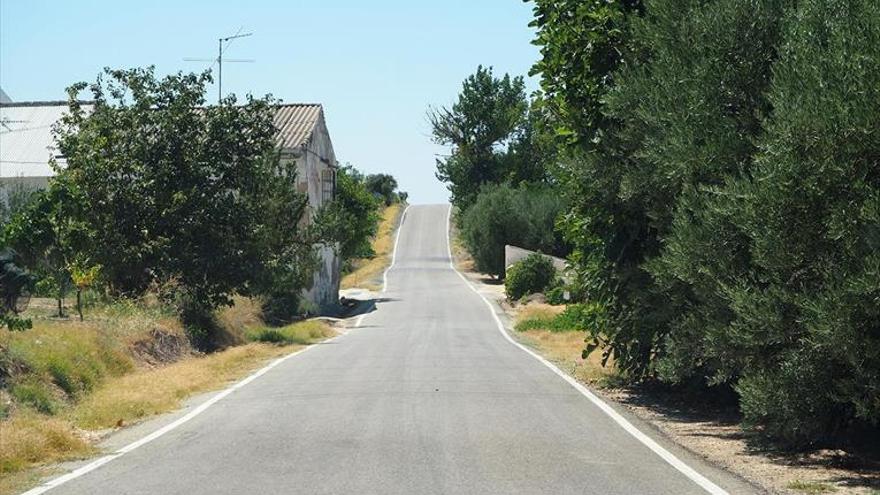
394, 251
53, 483
667, 456
360, 319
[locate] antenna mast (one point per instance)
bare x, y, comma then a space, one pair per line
220, 42
219, 60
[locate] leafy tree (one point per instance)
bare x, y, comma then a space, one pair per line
533, 274
47, 233
807, 313
721, 171
15, 285
480, 126
686, 118
352, 219
83, 278
287, 259
503, 215
176, 192
383, 186
582, 44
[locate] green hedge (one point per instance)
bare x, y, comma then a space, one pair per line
533, 274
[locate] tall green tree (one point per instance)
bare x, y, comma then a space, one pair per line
582, 43
807, 315
479, 127
352, 219
383, 186
179, 193
48, 233
687, 114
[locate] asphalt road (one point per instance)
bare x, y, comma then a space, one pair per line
427, 396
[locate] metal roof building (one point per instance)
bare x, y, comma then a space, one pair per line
27, 143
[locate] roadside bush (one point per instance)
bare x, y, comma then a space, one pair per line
523, 217
35, 394
808, 315
352, 219
556, 294
531, 275
304, 332
575, 317
720, 160
72, 359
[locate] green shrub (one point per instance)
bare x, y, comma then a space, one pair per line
269, 336
727, 211
531, 275
556, 294
35, 394
302, 333
75, 361
809, 314
524, 217
575, 317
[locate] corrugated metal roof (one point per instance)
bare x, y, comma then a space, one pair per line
26, 141
296, 123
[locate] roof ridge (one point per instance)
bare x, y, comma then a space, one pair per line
44, 103
295, 104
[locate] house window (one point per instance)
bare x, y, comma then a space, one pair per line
328, 185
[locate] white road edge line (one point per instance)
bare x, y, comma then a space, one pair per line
53, 483
210, 402
394, 251
360, 319
667, 456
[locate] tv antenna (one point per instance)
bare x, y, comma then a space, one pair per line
219, 60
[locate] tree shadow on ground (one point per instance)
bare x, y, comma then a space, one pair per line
857, 452
356, 307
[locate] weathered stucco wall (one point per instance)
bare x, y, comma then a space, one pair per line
316, 176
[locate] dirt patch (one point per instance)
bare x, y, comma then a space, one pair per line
716, 434
160, 347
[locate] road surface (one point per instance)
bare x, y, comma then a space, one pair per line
426, 397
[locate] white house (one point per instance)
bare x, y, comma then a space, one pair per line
304, 138
27, 145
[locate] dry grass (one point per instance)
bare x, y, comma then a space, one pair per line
367, 273
303, 333
811, 487
30, 438
563, 348
146, 393
537, 311
69, 376
234, 321
463, 259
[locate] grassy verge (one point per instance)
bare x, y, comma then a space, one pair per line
367, 273
64, 381
554, 336
811, 487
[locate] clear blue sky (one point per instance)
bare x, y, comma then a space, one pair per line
376, 66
